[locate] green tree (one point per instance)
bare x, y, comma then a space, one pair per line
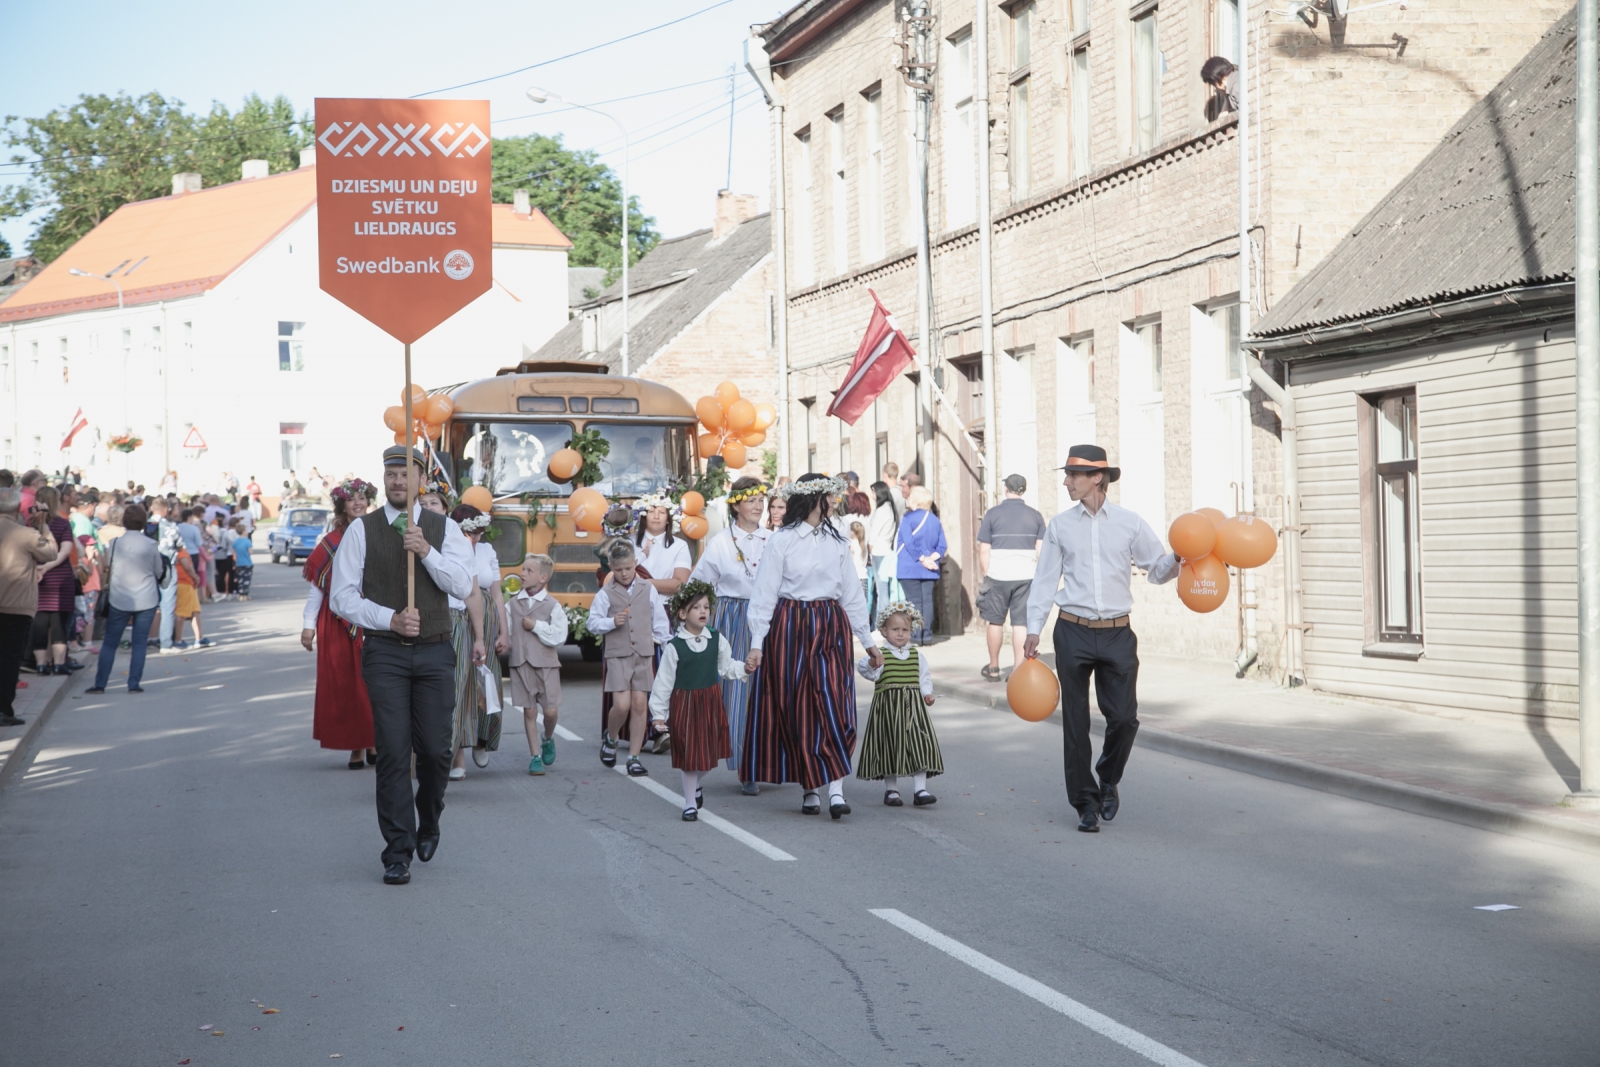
89, 159
5, 248
579, 194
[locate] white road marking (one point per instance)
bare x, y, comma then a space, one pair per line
1496, 907
566, 734
716, 822
1103, 1025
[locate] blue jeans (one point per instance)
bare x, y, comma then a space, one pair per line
169, 607
116, 622
919, 591
880, 587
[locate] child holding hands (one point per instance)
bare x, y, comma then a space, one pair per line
538, 629
899, 738
688, 690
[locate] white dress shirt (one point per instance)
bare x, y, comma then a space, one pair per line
667, 669
451, 567
806, 563
924, 673
662, 559
488, 565
722, 566
308, 617
1086, 564
553, 631
882, 527
600, 613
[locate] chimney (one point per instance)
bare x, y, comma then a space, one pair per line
186, 182
521, 205
308, 156
253, 168
732, 209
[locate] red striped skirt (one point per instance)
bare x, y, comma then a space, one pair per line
699, 727
801, 725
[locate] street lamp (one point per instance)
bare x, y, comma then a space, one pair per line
540, 96
103, 277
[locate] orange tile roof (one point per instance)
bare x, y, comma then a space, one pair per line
535, 230
187, 244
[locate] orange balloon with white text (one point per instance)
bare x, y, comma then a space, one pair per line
419, 395
727, 394
565, 464
1203, 583
766, 415
708, 445
753, 438
741, 416
693, 527
733, 454
439, 410
587, 508
1245, 541
1032, 691
395, 418
1216, 517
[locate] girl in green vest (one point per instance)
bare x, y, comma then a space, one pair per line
688, 690
899, 738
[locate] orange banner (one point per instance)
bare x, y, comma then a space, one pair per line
403, 210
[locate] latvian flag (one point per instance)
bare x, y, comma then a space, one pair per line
884, 353
78, 423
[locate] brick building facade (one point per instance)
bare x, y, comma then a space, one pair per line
1115, 246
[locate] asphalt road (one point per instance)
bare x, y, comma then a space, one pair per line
188, 859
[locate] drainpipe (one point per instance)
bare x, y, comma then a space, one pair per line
991, 429
1587, 299
760, 68
1247, 503
1294, 668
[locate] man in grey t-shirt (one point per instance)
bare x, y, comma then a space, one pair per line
1008, 548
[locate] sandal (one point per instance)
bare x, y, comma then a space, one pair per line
810, 804
990, 674
608, 751
924, 798
635, 768
891, 798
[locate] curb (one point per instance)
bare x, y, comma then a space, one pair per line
20, 756
1478, 814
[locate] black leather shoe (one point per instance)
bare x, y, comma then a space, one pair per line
810, 804
427, 845
1108, 801
838, 810
1089, 823
396, 874
12, 720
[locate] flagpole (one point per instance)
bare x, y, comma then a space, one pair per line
411, 488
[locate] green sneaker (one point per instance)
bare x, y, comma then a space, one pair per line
547, 751
536, 766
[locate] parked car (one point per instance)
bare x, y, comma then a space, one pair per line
297, 533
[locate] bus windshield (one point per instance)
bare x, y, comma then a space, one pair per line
509, 458
644, 458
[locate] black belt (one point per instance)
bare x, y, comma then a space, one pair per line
397, 639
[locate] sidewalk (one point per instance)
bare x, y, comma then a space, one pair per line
35, 705
1502, 773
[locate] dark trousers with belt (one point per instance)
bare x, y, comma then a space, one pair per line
413, 692
1111, 657
15, 631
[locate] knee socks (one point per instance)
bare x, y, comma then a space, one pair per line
691, 782
919, 782
836, 791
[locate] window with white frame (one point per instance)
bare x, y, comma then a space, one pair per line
291, 346
810, 404
960, 148
1219, 416
872, 184
1019, 420
1021, 119
1147, 64
880, 435
805, 263
838, 193
844, 447
1082, 159
1142, 421
291, 444
1225, 30
1395, 522
66, 353
1074, 398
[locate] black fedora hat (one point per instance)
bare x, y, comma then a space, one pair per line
1088, 459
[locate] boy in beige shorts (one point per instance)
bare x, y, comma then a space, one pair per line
537, 626
632, 616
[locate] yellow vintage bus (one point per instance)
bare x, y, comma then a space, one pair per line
505, 429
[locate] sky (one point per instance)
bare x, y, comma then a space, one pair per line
223, 51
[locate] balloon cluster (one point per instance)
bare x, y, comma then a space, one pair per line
732, 424
1209, 543
428, 415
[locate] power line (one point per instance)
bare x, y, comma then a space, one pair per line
613, 100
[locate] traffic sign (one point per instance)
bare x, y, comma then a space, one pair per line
404, 224
193, 439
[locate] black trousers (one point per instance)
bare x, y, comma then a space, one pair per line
1111, 657
16, 632
413, 692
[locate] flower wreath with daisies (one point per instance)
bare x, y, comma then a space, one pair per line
900, 607
832, 485
642, 506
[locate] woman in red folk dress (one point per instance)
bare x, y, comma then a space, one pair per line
343, 716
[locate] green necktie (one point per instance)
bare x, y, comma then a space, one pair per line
399, 523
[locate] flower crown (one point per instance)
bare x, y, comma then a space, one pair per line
472, 525
352, 488
643, 505
833, 485
436, 486
901, 607
688, 593
748, 494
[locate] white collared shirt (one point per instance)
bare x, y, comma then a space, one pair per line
722, 566
924, 674
807, 563
1086, 564
661, 559
667, 669
451, 568
553, 631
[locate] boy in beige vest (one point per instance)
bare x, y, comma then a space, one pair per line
632, 616
537, 625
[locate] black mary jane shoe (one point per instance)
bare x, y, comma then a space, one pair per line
838, 810
1089, 823
690, 815
1109, 802
923, 798
891, 799
810, 804
396, 874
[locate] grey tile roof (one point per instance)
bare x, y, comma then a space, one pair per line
580, 279
695, 270
1490, 208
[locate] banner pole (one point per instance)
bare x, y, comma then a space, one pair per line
411, 486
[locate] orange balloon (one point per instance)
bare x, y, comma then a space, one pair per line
693, 527
753, 438
395, 418
727, 393
1203, 583
733, 454
741, 416
565, 465
1213, 514
1192, 536
419, 397
399, 437
439, 410
478, 497
427, 429
1032, 691
709, 412
693, 503
1245, 541
766, 415
709, 443
588, 508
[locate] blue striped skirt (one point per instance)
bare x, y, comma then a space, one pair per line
732, 621
802, 710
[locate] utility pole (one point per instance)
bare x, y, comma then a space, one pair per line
728, 185
1588, 387
916, 67
760, 68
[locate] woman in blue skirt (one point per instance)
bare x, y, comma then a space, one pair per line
728, 563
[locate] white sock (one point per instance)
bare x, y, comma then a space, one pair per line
836, 791
919, 782
891, 782
691, 782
